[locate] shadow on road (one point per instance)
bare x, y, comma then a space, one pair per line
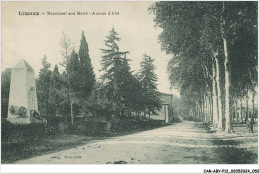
233, 155
227, 151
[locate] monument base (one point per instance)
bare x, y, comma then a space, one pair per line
24, 120
19, 120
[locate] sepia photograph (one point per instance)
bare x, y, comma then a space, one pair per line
153, 82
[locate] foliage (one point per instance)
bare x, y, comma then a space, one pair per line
18, 133
43, 87
74, 77
196, 33
87, 76
5, 88
98, 104
115, 66
148, 80
55, 95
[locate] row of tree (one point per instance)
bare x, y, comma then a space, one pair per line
214, 47
117, 93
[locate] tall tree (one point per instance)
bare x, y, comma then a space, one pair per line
148, 79
203, 34
43, 87
98, 104
5, 90
65, 105
55, 95
87, 79
112, 63
66, 46
228, 100
133, 93
74, 75
244, 61
214, 95
234, 17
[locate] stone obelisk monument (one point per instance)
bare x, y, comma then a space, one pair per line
22, 97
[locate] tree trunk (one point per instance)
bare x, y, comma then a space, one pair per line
196, 111
228, 105
247, 97
236, 116
228, 102
71, 114
66, 47
71, 104
211, 109
209, 115
199, 119
253, 112
220, 115
207, 109
70, 95
138, 113
241, 110
203, 109
214, 94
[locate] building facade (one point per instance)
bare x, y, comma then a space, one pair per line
166, 112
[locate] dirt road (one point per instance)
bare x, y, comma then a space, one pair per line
182, 143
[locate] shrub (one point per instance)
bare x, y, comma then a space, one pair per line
57, 125
18, 133
89, 127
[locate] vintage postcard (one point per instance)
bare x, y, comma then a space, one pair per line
167, 82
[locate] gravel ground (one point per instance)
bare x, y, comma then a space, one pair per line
181, 143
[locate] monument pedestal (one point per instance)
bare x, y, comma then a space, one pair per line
19, 120
25, 120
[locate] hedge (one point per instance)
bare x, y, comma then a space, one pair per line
18, 133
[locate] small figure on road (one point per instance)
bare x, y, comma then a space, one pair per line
250, 126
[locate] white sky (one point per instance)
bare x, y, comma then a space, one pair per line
30, 37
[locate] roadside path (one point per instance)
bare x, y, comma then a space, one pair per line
181, 143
